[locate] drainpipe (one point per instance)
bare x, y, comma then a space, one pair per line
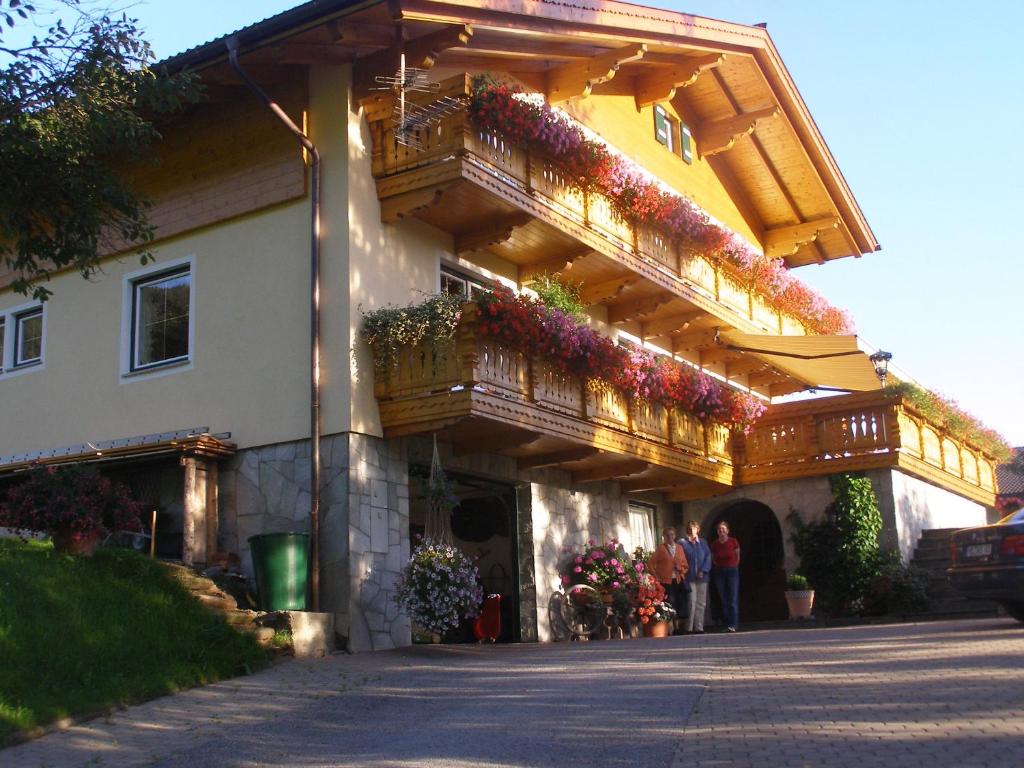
314, 322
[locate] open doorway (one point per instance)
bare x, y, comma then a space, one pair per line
762, 577
484, 525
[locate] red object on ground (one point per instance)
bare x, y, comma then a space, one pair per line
488, 624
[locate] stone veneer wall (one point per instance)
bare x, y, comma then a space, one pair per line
907, 505
365, 523
266, 490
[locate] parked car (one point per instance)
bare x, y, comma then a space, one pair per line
988, 562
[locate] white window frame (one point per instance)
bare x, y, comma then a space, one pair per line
10, 327
643, 523
131, 282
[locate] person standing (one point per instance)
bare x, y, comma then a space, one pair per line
725, 555
698, 554
669, 566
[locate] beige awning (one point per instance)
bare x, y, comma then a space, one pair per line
818, 361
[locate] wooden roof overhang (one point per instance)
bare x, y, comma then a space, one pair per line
727, 79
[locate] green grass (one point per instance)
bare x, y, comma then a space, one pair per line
80, 635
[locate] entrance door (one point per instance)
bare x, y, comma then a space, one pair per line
762, 577
484, 526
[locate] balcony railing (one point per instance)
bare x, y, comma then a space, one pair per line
864, 431
479, 366
527, 176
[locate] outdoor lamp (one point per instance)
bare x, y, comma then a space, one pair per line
881, 362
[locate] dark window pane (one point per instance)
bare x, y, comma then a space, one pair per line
162, 315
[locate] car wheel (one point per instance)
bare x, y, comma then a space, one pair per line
1015, 609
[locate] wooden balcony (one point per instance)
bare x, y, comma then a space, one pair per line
859, 432
490, 195
484, 397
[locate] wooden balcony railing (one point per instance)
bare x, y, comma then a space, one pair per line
857, 432
500, 377
537, 179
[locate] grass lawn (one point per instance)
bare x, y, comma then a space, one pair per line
79, 635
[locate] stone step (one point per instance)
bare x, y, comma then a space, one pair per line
220, 603
938, 533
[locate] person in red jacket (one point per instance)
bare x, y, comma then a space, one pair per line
669, 566
725, 555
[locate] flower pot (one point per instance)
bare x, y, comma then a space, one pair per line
76, 542
656, 629
800, 603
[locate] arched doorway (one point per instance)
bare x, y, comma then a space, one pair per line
762, 577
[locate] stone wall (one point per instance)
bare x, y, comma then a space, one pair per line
378, 503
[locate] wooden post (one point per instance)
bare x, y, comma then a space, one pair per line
196, 528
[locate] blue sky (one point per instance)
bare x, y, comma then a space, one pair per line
920, 103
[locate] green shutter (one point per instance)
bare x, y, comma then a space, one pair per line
686, 143
662, 126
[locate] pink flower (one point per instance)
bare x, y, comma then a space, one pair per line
620, 570
592, 577
579, 559
615, 585
639, 567
577, 569
565, 581
597, 554
613, 561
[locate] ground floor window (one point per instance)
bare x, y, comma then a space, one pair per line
642, 525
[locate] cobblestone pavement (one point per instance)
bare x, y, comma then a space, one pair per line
935, 694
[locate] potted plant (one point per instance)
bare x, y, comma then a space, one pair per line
439, 587
607, 567
655, 614
76, 506
799, 596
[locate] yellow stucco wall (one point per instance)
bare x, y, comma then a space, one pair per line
248, 372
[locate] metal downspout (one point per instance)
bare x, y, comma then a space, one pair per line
314, 322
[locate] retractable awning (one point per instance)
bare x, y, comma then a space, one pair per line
836, 362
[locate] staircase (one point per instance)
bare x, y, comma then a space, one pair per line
932, 555
217, 600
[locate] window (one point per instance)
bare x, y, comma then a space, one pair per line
461, 285
641, 525
665, 127
21, 338
28, 337
161, 319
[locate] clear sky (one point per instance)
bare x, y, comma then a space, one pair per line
921, 103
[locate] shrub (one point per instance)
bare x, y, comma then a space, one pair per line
897, 588
796, 582
840, 554
72, 499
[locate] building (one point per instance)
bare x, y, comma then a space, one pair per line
190, 377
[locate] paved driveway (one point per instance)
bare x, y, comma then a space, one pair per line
936, 694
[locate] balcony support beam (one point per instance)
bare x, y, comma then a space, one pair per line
408, 203
555, 458
662, 325
596, 293
715, 136
786, 241
631, 310
578, 78
495, 441
553, 266
420, 52
661, 86
491, 233
609, 471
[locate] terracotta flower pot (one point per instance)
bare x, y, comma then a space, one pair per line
800, 603
656, 629
75, 542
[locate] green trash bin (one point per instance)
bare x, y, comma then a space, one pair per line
281, 563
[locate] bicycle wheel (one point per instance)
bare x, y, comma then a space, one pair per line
583, 611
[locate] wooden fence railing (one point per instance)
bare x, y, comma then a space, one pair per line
536, 175
469, 361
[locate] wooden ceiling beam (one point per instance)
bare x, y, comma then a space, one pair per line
491, 232
528, 273
420, 52
409, 203
595, 293
786, 241
554, 458
716, 355
715, 136
634, 308
743, 366
762, 378
661, 86
495, 441
678, 321
694, 339
609, 471
654, 482
578, 78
